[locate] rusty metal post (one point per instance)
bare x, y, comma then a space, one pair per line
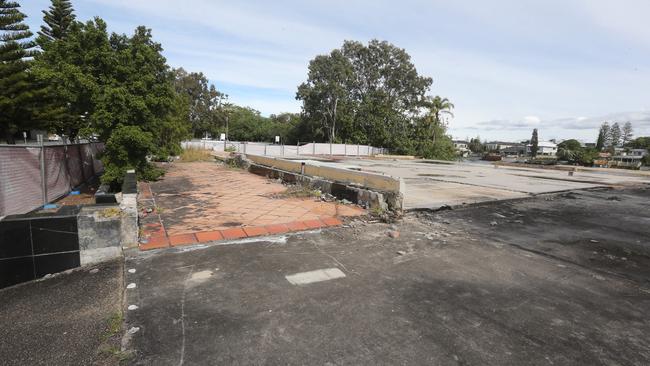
43, 173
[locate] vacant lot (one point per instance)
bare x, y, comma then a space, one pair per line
561, 280
434, 184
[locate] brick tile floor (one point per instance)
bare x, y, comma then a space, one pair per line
205, 201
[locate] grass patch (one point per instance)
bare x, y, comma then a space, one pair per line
109, 351
113, 325
377, 211
299, 191
193, 154
110, 212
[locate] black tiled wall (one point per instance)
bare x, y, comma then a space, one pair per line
31, 247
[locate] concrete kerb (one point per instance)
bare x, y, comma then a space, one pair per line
366, 189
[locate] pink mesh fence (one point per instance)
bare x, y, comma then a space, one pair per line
65, 168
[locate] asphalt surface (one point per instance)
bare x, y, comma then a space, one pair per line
552, 280
62, 320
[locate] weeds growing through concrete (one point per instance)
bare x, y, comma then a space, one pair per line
299, 191
110, 347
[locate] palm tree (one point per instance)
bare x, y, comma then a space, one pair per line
438, 107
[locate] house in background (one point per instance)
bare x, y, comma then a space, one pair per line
462, 147
627, 158
515, 150
497, 146
544, 148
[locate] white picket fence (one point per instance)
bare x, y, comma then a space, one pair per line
266, 149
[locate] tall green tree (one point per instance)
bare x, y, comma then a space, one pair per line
78, 68
58, 20
600, 142
371, 94
438, 108
205, 102
19, 93
325, 95
534, 143
607, 134
615, 135
138, 90
626, 133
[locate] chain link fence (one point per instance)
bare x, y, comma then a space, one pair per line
33, 175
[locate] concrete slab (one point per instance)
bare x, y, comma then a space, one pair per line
561, 281
70, 319
433, 184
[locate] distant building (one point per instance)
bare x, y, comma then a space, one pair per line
544, 148
462, 147
514, 150
498, 145
627, 158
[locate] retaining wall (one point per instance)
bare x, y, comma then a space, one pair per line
368, 189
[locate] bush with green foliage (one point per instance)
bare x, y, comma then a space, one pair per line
128, 148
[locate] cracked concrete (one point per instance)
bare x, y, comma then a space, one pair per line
561, 279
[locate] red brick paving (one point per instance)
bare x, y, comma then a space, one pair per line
255, 231
297, 226
313, 224
209, 236
202, 202
277, 229
182, 239
234, 233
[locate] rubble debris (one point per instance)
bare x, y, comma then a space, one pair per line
393, 234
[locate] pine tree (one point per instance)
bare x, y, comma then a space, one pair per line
534, 143
607, 134
600, 143
17, 91
57, 20
626, 135
615, 135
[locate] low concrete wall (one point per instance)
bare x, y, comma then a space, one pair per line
129, 206
99, 229
367, 189
364, 179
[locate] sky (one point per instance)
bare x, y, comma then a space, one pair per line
561, 66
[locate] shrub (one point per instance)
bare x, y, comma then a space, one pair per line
127, 148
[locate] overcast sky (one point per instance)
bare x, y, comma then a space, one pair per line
508, 66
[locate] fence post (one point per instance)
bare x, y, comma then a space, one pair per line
43, 174
357, 150
282, 149
298, 148
265, 149
314, 147
330, 148
345, 148
245, 143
